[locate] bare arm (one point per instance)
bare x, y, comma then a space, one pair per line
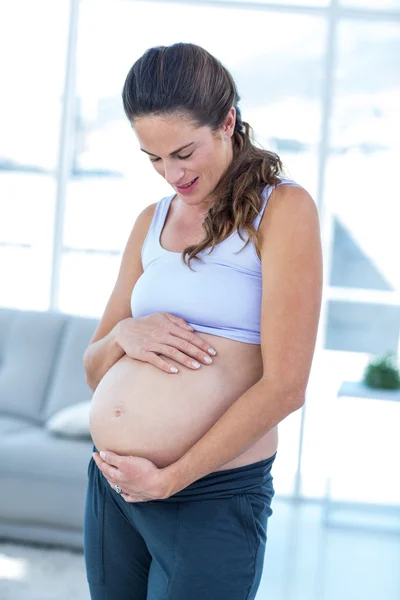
103, 350
100, 356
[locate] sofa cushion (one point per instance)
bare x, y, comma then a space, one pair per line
71, 421
43, 478
68, 385
11, 424
34, 452
28, 350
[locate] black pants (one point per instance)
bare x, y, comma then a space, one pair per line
207, 542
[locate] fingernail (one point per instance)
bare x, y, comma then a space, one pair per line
212, 351
103, 455
208, 359
173, 369
195, 364
191, 328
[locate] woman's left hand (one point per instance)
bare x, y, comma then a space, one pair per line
139, 478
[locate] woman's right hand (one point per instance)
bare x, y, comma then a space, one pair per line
145, 338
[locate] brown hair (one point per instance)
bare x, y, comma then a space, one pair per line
186, 79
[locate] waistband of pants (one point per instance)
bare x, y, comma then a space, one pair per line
226, 483
255, 477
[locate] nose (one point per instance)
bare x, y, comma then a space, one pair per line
174, 174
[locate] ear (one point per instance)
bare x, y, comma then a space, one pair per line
230, 121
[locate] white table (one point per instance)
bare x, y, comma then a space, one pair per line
359, 515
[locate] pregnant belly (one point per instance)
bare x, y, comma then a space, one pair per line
139, 410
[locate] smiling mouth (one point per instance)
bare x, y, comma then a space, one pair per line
188, 184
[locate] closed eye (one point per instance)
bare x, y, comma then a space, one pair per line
180, 157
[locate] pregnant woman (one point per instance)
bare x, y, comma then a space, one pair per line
205, 345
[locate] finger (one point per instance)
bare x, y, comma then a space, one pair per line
178, 321
176, 355
110, 472
136, 499
111, 458
157, 361
112, 484
194, 339
188, 349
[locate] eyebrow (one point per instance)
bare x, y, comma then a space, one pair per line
171, 153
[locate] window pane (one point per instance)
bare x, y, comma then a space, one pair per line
289, 2
33, 37
374, 4
99, 214
359, 190
357, 327
26, 226
87, 280
33, 40
26, 207
24, 281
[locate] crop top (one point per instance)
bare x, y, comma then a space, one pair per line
221, 295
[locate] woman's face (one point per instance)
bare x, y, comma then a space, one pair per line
182, 153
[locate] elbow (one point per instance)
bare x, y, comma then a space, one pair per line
88, 377
300, 400
294, 399
86, 358
292, 395
85, 362
90, 383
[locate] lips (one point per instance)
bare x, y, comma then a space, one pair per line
186, 185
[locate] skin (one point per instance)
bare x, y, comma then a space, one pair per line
291, 260
206, 155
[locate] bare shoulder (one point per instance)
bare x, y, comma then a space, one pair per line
138, 233
144, 218
291, 200
290, 208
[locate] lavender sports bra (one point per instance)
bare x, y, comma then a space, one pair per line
220, 296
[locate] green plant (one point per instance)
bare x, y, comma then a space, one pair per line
383, 373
